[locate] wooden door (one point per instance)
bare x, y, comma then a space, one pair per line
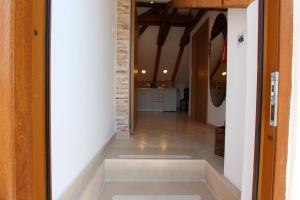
268, 133
277, 57
39, 99
133, 64
199, 87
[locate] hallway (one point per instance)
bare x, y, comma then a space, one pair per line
168, 135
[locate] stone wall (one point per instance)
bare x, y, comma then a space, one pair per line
123, 68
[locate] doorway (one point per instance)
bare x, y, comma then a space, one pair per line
14, 71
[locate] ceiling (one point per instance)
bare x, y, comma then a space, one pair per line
163, 36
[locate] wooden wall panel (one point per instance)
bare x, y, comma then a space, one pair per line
133, 65
200, 73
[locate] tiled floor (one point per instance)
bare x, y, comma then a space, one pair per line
168, 133
200, 188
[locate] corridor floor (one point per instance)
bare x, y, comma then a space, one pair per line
168, 135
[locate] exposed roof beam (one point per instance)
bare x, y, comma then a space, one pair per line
211, 3
148, 4
185, 39
177, 64
143, 29
165, 27
179, 20
157, 60
152, 11
162, 35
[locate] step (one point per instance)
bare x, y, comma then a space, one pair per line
152, 177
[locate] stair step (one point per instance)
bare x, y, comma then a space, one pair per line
154, 170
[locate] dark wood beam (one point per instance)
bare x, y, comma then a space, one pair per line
185, 39
165, 27
157, 60
163, 34
179, 20
143, 29
177, 64
211, 3
148, 4
152, 11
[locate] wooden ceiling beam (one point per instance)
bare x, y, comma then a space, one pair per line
143, 29
211, 3
165, 27
152, 11
185, 39
162, 35
177, 64
157, 60
149, 5
179, 20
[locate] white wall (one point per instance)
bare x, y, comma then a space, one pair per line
82, 85
241, 98
250, 111
236, 97
293, 173
215, 115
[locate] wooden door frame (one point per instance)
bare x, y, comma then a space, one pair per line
285, 70
16, 108
194, 78
15, 89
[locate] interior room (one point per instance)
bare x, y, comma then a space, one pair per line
186, 87
180, 81
182, 108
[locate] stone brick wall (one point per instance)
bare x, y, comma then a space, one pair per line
123, 68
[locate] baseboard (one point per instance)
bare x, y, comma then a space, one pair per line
219, 185
91, 179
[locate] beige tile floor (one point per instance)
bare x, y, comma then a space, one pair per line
168, 133
119, 188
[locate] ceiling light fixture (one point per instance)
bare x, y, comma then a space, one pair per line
144, 71
165, 71
224, 73
152, 2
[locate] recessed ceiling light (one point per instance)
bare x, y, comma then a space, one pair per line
224, 73
152, 2
165, 71
143, 71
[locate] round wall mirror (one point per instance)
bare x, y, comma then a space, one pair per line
218, 60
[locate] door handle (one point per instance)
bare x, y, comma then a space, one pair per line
274, 99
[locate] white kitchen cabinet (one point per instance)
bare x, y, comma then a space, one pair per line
156, 99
